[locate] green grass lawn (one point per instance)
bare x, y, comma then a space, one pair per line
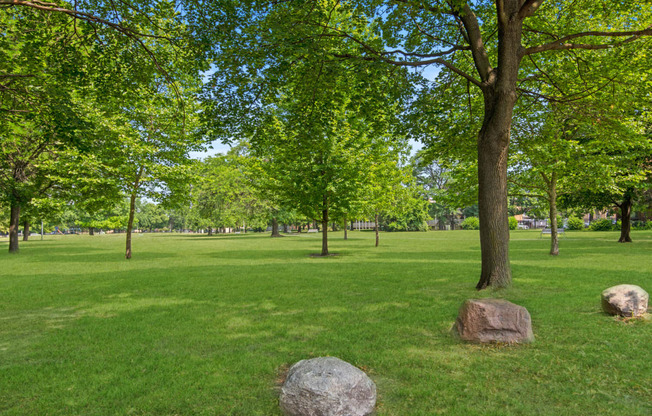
197, 325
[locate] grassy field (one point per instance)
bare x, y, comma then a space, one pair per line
198, 325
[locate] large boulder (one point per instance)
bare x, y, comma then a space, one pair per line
625, 300
327, 386
493, 320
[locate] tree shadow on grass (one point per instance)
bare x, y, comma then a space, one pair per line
206, 237
62, 255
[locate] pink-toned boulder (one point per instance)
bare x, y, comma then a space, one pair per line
625, 300
493, 320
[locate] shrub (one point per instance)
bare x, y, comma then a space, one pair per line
601, 225
642, 225
513, 223
617, 226
470, 223
575, 223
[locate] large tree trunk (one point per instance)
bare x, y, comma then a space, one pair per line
275, 232
346, 229
14, 223
324, 225
210, 231
625, 218
91, 231
492, 203
493, 143
26, 230
376, 228
130, 224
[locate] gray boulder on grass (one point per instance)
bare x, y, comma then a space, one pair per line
493, 320
327, 386
625, 300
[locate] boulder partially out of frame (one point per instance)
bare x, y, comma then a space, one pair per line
625, 300
493, 320
327, 386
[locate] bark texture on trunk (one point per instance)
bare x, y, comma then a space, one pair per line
275, 232
492, 204
14, 223
626, 218
26, 230
376, 228
130, 224
499, 93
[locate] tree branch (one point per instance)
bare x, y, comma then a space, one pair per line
472, 28
132, 34
439, 61
562, 43
529, 8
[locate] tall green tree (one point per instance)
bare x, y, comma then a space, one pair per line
503, 48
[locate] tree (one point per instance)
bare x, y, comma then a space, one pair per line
62, 63
592, 152
316, 138
500, 47
387, 190
224, 195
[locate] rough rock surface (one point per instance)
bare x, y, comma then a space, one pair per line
327, 386
625, 300
493, 320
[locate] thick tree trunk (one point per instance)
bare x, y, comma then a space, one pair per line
130, 224
492, 204
210, 231
91, 231
275, 232
14, 223
493, 143
26, 230
324, 224
625, 218
285, 228
376, 228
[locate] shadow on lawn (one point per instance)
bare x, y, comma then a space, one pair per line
206, 237
64, 254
